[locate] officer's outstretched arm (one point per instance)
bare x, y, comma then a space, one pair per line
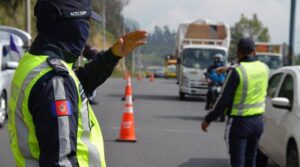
53, 106
96, 72
225, 99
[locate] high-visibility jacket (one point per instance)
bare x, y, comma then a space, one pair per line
249, 98
24, 143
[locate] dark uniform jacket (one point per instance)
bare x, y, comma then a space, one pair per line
225, 100
42, 96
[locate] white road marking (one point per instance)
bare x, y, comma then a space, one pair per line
159, 130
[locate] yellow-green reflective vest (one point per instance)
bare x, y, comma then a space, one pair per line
249, 98
24, 144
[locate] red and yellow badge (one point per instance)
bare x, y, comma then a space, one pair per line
61, 108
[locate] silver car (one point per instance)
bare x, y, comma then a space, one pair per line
9, 62
280, 141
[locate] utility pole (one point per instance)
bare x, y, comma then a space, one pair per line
28, 18
124, 32
133, 62
124, 61
292, 30
139, 60
104, 23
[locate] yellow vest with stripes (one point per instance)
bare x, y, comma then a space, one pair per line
24, 144
249, 98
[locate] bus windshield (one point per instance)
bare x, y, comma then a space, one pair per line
273, 62
200, 58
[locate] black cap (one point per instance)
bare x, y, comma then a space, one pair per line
246, 44
66, 9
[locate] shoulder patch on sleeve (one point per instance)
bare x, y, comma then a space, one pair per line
57, 65
61, 108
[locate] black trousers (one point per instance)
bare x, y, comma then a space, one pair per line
242, 136
208, 98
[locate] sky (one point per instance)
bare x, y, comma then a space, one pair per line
274, 14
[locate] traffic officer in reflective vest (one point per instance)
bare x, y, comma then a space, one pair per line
51, 122
243, 100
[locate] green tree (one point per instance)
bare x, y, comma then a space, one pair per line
12, 13
131, 25
247, 27
297, 59
159, 44
10, 6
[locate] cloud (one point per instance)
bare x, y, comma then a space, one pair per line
273, 13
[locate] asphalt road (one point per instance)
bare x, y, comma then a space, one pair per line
167, 129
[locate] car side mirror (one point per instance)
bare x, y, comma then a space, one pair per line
11, 65
281, 102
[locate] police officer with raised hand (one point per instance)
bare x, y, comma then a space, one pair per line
51, 122
243, 100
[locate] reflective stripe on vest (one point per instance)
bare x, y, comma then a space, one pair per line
90, 149
21, 127
93, 156
250, 95
63, 124
89, 132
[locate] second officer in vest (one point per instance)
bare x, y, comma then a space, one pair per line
243, 100
51, 122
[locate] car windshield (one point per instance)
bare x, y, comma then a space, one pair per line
155, 69
171, 68
160, 70
200, 58
4, 36
273, 62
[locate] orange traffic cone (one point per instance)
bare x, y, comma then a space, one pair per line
152, 77
127, 88
127, 130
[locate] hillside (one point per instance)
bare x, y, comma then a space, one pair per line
12, 13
